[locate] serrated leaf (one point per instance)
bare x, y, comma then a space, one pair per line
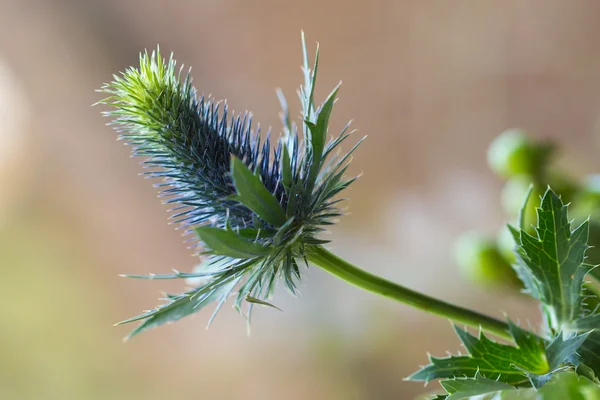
551, 264
490, 359
533, 359
253, 194
464, 388
228, 243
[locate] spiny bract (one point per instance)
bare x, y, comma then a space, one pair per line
255, 210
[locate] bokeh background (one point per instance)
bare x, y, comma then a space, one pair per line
430, 82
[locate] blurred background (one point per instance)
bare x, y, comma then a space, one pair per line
430, 82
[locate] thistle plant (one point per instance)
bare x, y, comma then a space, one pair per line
257, 211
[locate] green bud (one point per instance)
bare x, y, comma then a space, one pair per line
480, 261
506, 245
513, 153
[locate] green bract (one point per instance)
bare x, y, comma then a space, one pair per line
254, 209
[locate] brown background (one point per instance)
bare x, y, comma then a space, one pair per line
430, 83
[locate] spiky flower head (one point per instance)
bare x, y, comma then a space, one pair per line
256, 210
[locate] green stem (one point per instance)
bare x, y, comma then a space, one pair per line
365, 280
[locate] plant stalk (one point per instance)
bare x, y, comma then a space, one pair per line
375, 284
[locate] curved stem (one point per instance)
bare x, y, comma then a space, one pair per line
365, 280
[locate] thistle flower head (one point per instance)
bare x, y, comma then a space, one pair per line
256, 210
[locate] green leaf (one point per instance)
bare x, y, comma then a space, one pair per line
551, 264
464, 388
253, 194
490, 359
318, 131
229, 243
286, 167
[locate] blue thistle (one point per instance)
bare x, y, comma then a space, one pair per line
256, 211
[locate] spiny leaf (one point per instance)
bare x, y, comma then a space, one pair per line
551, 264
253, 194
178, 307
562, 349
490, 359
533, 360
561, 353
464, 388
228, 243
222, 283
